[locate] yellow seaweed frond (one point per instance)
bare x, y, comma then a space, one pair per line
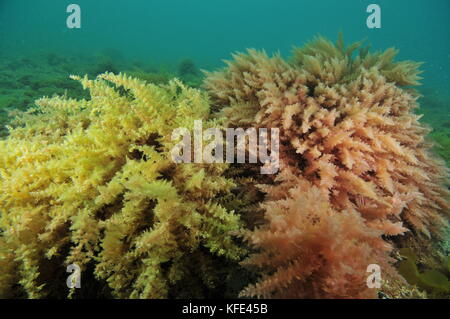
91, 182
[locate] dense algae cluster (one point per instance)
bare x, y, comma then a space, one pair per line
89, 181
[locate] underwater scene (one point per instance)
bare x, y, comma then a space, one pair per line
266, 149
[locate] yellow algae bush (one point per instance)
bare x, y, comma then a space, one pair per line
91, 183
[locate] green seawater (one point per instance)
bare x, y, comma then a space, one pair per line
155, 39
160, 39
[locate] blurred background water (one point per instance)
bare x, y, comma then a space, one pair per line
208, 31
165, 32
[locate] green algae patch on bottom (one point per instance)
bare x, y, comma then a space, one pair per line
435, 282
